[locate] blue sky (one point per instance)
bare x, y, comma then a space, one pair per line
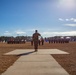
49, 17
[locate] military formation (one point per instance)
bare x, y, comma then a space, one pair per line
16, 41
58, 40
36, 41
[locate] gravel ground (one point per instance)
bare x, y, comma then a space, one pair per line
66, 61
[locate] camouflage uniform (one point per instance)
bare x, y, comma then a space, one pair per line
36, 40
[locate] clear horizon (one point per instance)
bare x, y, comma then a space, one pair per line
49, 17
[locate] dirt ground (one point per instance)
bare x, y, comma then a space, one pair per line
66, 61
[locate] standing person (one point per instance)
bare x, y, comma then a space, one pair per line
36, 40
31, 42
42, 40
39, 42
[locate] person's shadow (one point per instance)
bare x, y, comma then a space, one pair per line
26, 53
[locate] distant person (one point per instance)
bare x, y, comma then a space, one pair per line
36, 40
31, 42
39, 42
49, 40
42, 40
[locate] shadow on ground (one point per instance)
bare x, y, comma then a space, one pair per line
26, 53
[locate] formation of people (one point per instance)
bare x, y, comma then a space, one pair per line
37, 40
58, 40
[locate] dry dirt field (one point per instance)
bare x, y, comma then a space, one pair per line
66, 61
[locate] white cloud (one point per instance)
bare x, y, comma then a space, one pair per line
67, 33
71, 25
67, 19
7, 33
74, 20
70, 19
20, 32
61, 19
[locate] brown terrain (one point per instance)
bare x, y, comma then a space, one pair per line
67, 61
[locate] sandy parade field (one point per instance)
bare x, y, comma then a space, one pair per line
67, 61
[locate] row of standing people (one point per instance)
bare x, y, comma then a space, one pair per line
16, 41
58, 40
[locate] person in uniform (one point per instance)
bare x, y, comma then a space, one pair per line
35, 38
